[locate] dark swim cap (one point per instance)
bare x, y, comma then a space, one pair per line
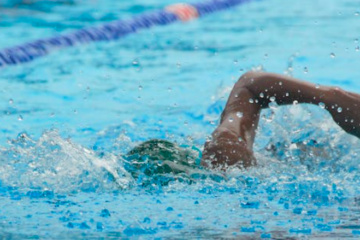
161, 157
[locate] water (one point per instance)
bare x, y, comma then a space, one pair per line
69, 117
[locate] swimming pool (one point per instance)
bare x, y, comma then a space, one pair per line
68, 117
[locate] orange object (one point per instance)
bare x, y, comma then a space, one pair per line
183, 11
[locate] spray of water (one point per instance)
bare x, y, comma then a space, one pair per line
55, 163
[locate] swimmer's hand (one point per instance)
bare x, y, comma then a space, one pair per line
228, 149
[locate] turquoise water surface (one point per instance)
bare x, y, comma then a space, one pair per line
67, 119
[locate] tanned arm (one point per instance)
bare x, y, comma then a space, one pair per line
233, 139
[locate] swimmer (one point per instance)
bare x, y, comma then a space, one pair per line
232, 141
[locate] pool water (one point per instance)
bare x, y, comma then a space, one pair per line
68, 118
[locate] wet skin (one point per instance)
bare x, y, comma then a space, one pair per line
233, 139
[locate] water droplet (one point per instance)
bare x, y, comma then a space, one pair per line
251, 100
273, 105
185, 123
135, 63
52, 114
11, 101
317, 86
236, 95
75, 111
280, 83
178, 65
235, 61
339, 109
322, 105
306, 70
357, 48
269, 116
356, 14
169, 89
287, 94
240, 139
231, 119
262, 95
332, 55
239, 114
190, 138
272, 99
20, 118
295, 102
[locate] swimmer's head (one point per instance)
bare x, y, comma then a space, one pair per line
160, 157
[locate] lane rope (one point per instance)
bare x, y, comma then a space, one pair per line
113, 30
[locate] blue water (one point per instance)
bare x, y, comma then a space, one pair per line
67, 118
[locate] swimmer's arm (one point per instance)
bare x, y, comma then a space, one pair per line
233, 139
253, 92
342, 105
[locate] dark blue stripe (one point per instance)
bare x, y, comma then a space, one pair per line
54, 41
81, 36
15, 56
6, 58
28, 55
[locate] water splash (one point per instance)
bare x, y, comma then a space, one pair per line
301, 153
58, 164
